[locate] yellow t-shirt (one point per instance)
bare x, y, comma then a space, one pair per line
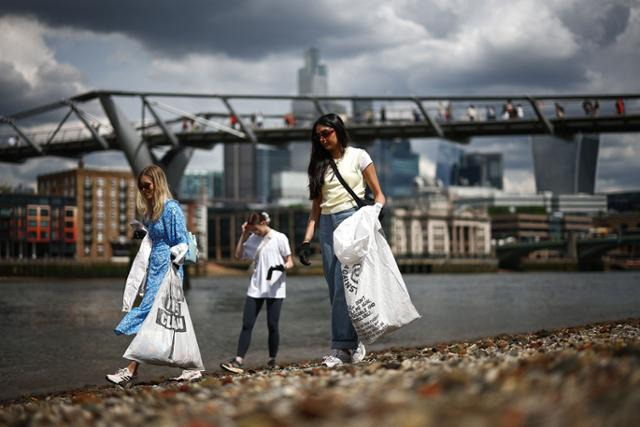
335, 198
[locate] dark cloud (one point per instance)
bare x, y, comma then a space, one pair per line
597, 23
17, 94
241, 28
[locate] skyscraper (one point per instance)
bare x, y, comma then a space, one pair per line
312, 78
239, 172
565, 165
481, 170
396, 166
270, 161
248, 170
448, 164
455, 167
193, 182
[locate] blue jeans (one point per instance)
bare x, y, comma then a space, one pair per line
343, 335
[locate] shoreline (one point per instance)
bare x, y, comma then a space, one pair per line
576, 375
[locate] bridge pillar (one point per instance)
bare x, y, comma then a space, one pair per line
137, 151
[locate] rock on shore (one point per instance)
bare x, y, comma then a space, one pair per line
587, 376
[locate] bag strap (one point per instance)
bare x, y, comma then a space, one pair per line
344, 184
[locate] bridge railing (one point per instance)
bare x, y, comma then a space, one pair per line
356, 110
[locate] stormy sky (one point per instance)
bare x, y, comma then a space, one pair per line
52, 50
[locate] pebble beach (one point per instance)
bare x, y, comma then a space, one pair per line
583, 376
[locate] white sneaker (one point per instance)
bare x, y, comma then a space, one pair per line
336, 358
188, 375
331, 361
358, 354
123, 377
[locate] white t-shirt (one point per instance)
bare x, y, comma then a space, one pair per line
335, 198
271, 253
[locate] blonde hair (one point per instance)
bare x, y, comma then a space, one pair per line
152, 209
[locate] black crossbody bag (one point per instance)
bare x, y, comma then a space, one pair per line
367, 201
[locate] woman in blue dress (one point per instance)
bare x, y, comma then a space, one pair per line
165, 224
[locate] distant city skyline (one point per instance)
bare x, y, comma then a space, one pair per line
376, 47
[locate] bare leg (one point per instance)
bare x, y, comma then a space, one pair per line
133, 367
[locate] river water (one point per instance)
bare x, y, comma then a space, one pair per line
58, 334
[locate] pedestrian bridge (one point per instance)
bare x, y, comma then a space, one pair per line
181, 122
588, 252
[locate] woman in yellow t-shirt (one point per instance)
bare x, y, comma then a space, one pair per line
331, 205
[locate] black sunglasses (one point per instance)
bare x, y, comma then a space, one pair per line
144, 186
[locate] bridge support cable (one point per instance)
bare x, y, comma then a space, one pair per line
247, 130
543, 119
432, 123
94, 133
11, 122
201, 120
55, 132
137, 152
165, 129
318, 106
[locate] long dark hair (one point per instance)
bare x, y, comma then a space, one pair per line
320, 157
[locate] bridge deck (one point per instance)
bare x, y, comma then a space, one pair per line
460, 131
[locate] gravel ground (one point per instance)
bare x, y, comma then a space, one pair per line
586, 376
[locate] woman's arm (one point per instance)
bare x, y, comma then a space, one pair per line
314, 215
371, 178
288, 262
243, 238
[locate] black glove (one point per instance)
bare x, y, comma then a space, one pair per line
139, 234
304, 252
279, 267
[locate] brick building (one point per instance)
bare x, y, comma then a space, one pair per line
34, 226
105, 201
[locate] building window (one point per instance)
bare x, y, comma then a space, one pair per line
54, 235
44, 223
32, 212
68, 213
44, 235
32, 223
33, 234
68, 235
68, 224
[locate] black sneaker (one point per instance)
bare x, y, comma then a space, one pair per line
271, 364
233, 366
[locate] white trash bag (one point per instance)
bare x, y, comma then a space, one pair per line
166, 336
376, 295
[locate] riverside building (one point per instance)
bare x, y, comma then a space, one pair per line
105, 202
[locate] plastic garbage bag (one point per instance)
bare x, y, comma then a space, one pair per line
166, 336
377, 297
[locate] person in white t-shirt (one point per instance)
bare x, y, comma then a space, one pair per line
331, 205
269, 249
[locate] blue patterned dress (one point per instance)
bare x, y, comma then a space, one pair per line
166, 232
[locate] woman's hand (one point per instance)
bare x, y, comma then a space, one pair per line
304, 252
245, 230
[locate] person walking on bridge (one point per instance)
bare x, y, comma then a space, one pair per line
332, 204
